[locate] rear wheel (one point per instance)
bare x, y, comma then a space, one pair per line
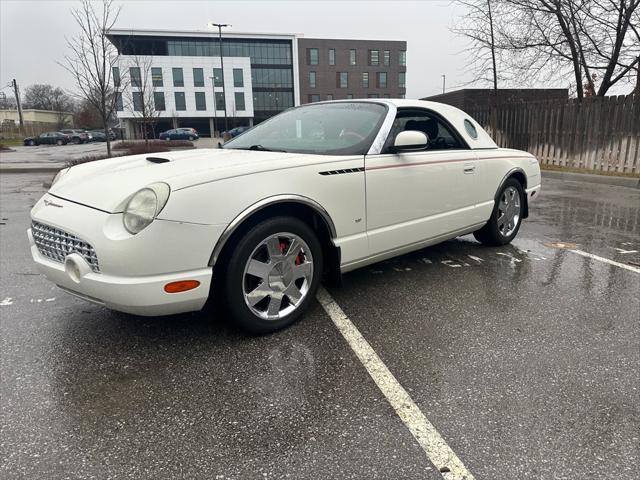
506, 217
273, 274
191, 138
31, 143
59, 142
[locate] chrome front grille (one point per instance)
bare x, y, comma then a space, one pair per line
56, 244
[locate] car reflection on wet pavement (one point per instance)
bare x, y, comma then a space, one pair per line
525, 358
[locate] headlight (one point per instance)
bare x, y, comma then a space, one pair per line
59, 175
144, 206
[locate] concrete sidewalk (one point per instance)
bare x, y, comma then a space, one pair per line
35, 167
631, 182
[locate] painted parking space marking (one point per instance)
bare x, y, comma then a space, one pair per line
435, 447
605, 260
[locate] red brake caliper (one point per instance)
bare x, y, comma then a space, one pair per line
299, 258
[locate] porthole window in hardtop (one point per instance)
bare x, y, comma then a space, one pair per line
471, 129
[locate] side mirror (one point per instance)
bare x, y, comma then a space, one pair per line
410, 140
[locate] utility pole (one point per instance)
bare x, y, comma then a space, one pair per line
224, 95
16, 92
444, 77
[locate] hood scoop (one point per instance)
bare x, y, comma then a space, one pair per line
158, 160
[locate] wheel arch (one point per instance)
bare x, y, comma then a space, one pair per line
519, 174
304, 208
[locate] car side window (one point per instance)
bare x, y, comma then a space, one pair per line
438, 133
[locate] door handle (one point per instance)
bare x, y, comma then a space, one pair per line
469, 168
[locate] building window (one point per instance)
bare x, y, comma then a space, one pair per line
137, 101
402, 95
373, 95
386, 57
330, 96
352, 56
136, 79
178, 79
198, 77
240, 101
365, 79
158, 101
180, 100
119, 105
332, 56
349, 96
219, 101
271, 78
402, 58
156, 77
312, 56
201, 101
312, 79
401, 79
342, 79
238, 77
374, 57
217, 77
382, 79
115, 71
314, 98
386, 95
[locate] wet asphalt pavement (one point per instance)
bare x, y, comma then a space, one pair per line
524, 357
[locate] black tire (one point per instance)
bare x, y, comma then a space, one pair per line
76, 141
31, 143
233, 274
191, 139
491, 234
59, 142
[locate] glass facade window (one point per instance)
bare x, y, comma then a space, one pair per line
158, 101
352, 56
181, 103
373, 95
198, 77
382, 79
401, 79
386, 57
312, 56
386, 95
274, 52
136, 79
239, 98
137, 101
349, 96
343, 79
272, 101
115, 72
312, 79
238, 77
402, 95
332, 56
330, 96
119, 104
402, 58
156, 77
217, 77
314, 98
219, 101
201, 101
271, 78
365, 79
374, 57
178, 78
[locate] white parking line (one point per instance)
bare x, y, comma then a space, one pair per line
606, 260
437, 450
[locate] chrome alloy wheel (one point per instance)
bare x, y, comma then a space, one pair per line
277, 276
508, 211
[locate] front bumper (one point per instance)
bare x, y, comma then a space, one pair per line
133, 269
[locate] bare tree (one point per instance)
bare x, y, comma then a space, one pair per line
93, 57
142, 97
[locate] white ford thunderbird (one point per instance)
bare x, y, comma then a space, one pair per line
315, 191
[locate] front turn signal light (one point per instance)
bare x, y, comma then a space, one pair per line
181, 286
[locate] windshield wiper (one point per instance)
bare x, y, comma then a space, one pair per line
261, 149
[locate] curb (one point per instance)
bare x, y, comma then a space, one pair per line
630, 182
31, 168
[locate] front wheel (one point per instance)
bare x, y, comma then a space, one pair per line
273, 274
506, 217
59, 142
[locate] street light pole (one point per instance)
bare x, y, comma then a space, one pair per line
215, 116
224, 95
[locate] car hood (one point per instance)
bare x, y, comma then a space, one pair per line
108, 184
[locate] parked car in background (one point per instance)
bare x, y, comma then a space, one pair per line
48, 138
179, 134
77, 136
98, 136
188, 129
320, 189
234, 132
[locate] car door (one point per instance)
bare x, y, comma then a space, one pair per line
419, 195
44, 138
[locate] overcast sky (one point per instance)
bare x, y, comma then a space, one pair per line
32, 32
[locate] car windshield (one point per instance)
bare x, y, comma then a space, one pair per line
341, 128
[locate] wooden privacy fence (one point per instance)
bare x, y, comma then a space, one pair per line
600, 134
